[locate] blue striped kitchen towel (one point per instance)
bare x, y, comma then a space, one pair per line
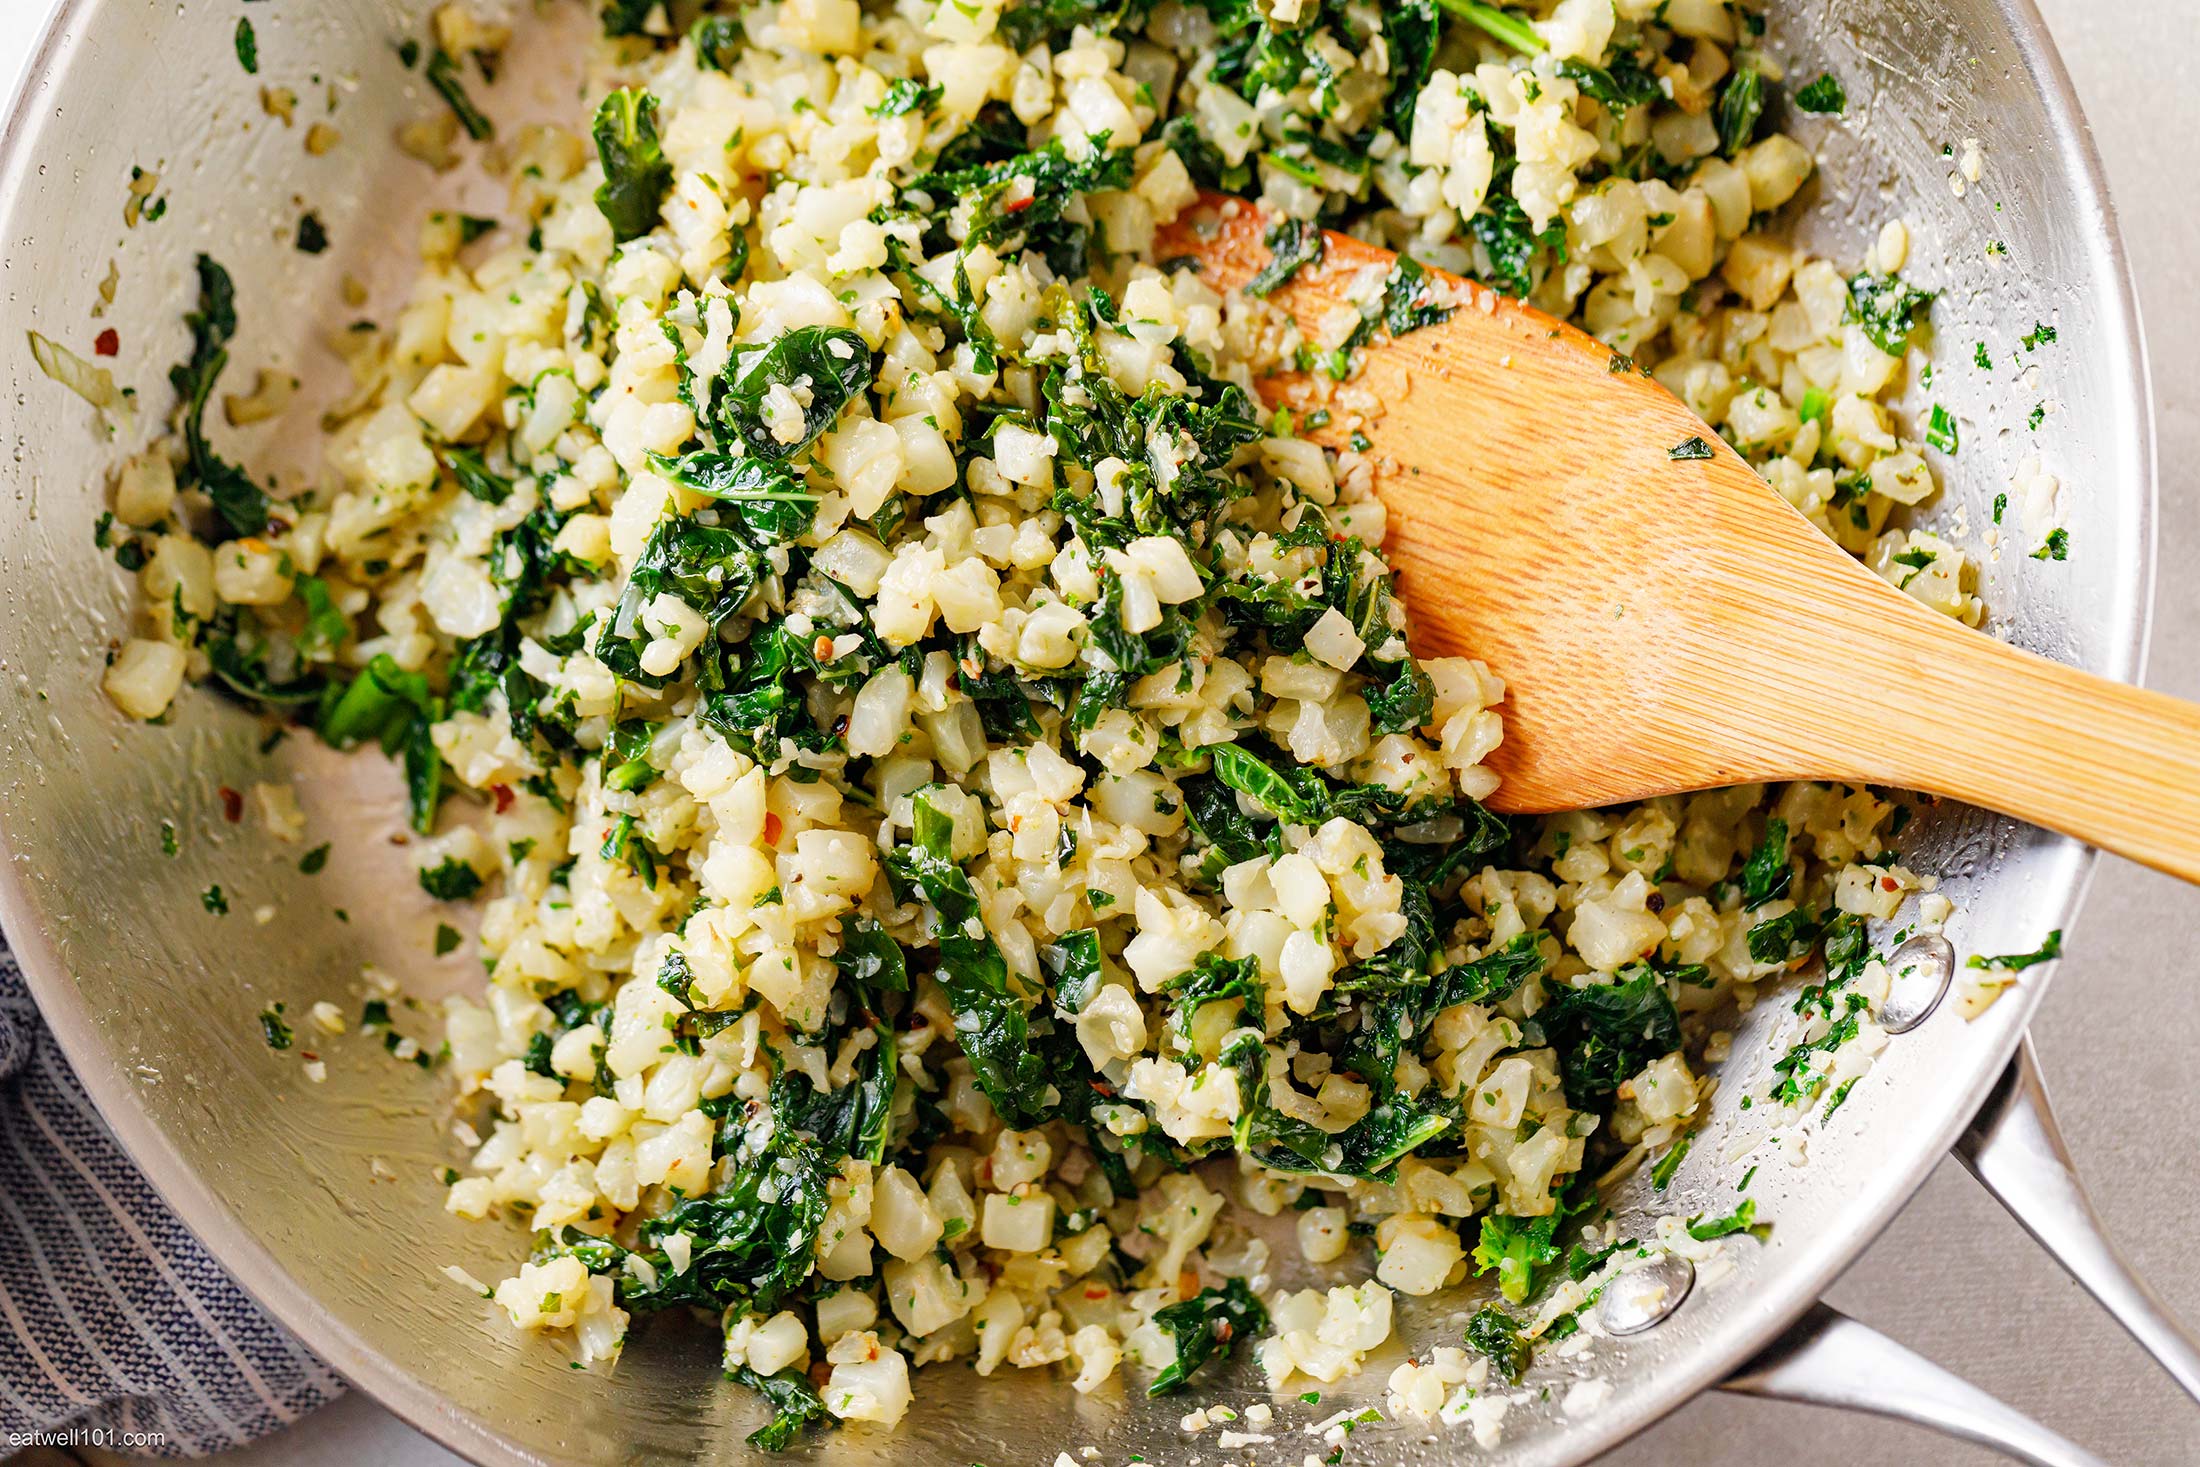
117, 1329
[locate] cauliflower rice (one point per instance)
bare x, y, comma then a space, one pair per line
935, 760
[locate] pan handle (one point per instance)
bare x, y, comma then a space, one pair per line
2016, 1151
1829, 1359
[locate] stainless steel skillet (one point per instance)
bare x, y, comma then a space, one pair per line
323, 1198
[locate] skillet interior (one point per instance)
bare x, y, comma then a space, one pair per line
323, 1199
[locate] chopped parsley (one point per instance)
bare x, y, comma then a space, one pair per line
1825, 95
1687, 449
274, 1028
1941, 431
2055, 547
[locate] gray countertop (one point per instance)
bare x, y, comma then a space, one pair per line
1953, 1277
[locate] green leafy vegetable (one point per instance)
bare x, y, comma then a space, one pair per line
830, 364
1823, 95
2055, 547
1687, 449
1606, 1032
2046, 952
1741, 104
442, 74
1742, 1219
248, 47
1770, 870
1941, 431
452, 881
992, 1020
1293, 245
625, 17
1514, 1248
1500, 25
1498, 1337
1209, 1323
906, 95
274, 1029
1888, 309
636, 173
795, 1405
242, 504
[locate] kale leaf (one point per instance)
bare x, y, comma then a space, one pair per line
1210, 1322
1074, 961
242, 504
829, 364
1411, 33
1741, 104
636, 173
442, 74
795, 1404
1768, 873
1497, 1336
714, 569
992, 1020
1515, 1248
1293, 245
765, 494
1605, 1032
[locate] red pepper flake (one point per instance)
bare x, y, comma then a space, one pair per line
772, 828
502, 793
232, 805
107, 343
1888, 883
1017, 206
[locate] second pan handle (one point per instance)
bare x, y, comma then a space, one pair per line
2016, 1151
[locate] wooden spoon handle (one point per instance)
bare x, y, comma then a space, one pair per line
2116, 766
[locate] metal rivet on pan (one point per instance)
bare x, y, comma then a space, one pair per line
1921, 968
1645, 1296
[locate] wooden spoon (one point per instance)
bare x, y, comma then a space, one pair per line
1668, 624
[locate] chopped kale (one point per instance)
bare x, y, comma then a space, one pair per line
760, 404
1823, 95
1293, 245
1741, 104
1209, 1323
242, 504
636, 173
795, 1404
1514, 1248
442, 74
1770, 870
992, 1019
1499, 1338
274, 1028
1606, 1032
906, 95
1689, 449
625, 17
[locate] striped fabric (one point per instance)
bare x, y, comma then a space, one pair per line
114, 1321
